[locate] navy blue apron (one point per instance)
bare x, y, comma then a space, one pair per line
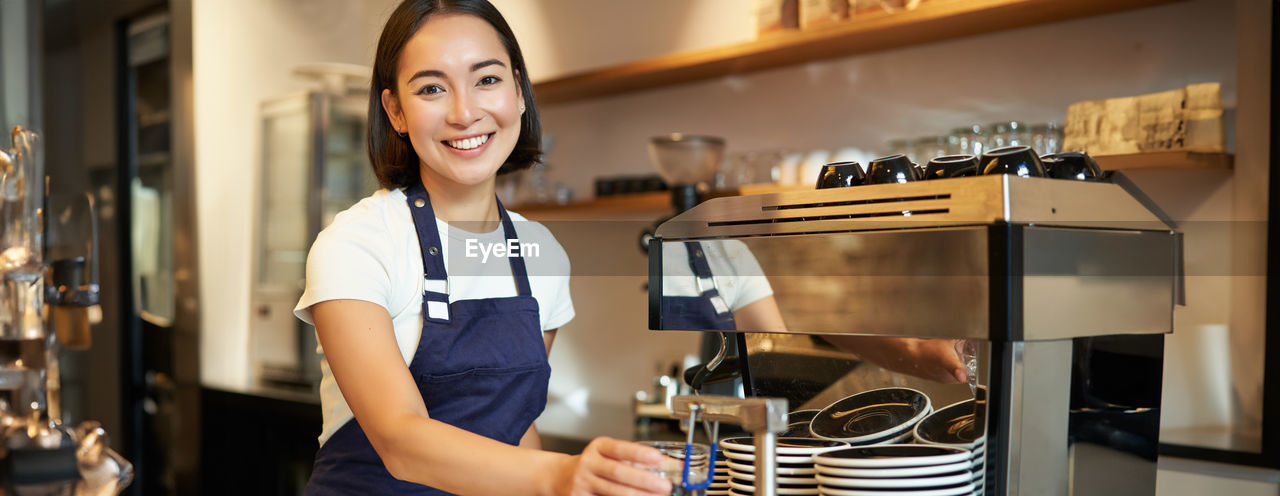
707, 310
481, 365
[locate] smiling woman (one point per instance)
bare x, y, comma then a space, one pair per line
460, 107
433, 368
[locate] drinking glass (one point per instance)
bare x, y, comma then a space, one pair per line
672, 468
957, 140
739, 169
1046, 138
1009, 133
967, 140
928, 147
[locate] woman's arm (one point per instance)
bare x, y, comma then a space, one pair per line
760, 316
360, 346
933, 359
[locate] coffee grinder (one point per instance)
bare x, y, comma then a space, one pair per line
39, 454
688, 163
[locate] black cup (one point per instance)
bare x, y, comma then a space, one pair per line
1072, 165
841, 175
951, 166
892, 169
1015, 160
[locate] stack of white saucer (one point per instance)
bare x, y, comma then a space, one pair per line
898, 470
796, 474
954, 426
720, 479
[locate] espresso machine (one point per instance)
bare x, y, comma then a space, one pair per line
1057, 293
44, 305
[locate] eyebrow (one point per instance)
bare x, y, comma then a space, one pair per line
439, 74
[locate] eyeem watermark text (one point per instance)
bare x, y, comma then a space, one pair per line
512, 248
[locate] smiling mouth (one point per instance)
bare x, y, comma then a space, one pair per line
468, 143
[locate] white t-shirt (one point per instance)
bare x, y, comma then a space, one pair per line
370, 252
737, 275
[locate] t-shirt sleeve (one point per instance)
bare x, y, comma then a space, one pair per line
561, 308
347, 261
752, 284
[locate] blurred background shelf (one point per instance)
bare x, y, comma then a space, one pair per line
935, 20
636, 206
1166, 160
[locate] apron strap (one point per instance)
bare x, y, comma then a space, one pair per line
518, 269
435, 294
435, 280
706, 282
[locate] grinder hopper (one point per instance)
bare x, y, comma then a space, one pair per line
685, 161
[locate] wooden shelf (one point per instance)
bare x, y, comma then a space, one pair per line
935, 20
636, 206
655, 205
1166, 160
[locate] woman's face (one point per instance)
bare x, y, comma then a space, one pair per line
458, 98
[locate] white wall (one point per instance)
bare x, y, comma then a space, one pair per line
15, 60
561, 37
243, 53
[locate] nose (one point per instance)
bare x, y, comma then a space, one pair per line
462, 111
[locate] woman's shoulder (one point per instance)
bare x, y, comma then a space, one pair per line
370, 223
376, 212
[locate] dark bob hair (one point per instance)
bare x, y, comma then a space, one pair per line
392, 157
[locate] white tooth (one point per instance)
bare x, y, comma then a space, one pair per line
469, 143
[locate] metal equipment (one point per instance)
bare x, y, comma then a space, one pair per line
314, 165
39, 455
764, 418
1062, 291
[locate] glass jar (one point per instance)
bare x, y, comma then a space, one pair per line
968, 140
1046, 138
928, 147
1009, 133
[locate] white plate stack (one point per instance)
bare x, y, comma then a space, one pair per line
977, 466
897, 470
954, 426
720, 479
796, 474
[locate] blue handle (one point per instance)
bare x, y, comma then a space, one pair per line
711, 467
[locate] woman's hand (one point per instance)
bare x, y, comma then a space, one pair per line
612, 467
932, 359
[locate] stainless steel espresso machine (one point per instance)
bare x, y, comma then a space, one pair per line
43, 306
1057, 293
